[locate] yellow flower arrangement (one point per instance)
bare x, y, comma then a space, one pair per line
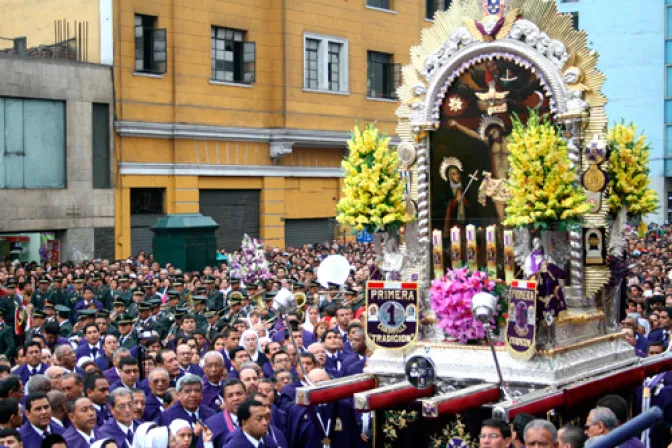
373, 193
543, 186
629, 172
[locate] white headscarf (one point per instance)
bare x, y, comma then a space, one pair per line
141, 434
101, 442
178, 424
647, 327
157, 438
245, 334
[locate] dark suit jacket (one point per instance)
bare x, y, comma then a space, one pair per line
75, 440
111, 429
111, 375
85, 350
152, 408
24, 371
31, 438
271, 440
220, 428
354, 368
177, 411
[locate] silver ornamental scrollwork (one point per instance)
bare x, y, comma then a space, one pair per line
529, 33
460, 37
418, 90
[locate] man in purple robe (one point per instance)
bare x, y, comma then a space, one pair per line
189, 408
82, 415
224, 423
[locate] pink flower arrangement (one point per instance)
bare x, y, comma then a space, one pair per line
451, 301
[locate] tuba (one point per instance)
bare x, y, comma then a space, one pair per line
301, 301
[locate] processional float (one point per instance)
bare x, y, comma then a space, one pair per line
497, 98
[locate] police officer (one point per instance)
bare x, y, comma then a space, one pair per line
7, 344
212, 329
57, 294
123, 293
199, 308
9, 303
49, 312
127, 337
63, 319
150, 290
76, 294
138, 297
42, 294
37, 323
215, 296
101, 291
144, 321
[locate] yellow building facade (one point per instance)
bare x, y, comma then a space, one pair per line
215, 97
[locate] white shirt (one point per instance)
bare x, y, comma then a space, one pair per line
38, 430
57, 421
86, 436
252, 440
234, 419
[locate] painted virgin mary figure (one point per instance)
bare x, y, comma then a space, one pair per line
451, 171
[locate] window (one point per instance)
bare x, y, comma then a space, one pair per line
233, 59
382, 4
100, 145
383, 76
147, 201
325, 63
150, 45
432, 6
32, 143
575, 20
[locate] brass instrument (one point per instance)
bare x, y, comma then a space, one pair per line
301, 301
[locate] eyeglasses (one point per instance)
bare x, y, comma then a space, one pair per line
490, 436
159, 380
588, 425
124, 406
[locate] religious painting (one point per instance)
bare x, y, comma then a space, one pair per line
469, 154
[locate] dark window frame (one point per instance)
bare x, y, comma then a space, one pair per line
151, 49
381, 65
242, 66
380, 4
148, 201
433, 6
100, 146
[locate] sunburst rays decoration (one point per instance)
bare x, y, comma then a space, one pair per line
544, 14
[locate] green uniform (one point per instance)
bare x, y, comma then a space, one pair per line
201, 322
7, 345
215, 300
66, 329
58, 296
129, 341
124, 296
39, 297
103, 296
8, 306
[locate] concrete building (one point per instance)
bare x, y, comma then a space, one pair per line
240, 109
634, 42
55, 152
49, 22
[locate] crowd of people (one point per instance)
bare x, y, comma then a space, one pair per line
130, 354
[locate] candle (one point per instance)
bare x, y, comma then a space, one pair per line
491, 251
456, 247
472, 262
437, 253
509, 261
